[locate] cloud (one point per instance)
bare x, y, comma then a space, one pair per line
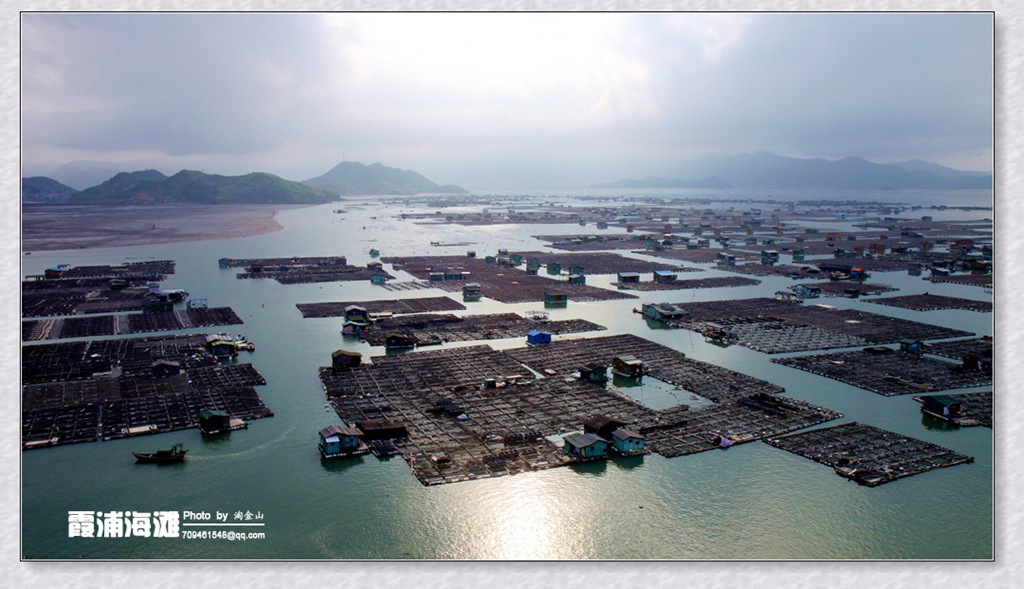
586, 94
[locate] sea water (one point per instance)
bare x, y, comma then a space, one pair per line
748, 502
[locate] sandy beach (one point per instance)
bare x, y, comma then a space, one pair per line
58, 227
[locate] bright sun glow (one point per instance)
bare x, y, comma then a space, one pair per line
566, 62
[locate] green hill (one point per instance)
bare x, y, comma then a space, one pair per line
41, 188
189, 186
354, 178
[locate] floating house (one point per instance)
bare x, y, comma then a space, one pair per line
724, 259
594, 373
554, 268
662, 311
163, 368
799, 255
602, 426
627, 442
786, 296
471, 291
221, 345
536, 337
176, 294
399, 341
375, 429
941, 406
585, 447
339, 442
198, 303
357, 314
912, 346
56, 271
978, 362
345, 359
213, 422
629, 277
378, 279
628, 366
577, 279
769, 257
157, 304
556, 299
664, 276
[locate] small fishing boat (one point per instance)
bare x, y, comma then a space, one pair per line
175, 454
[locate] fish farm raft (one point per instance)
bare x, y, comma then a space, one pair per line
440, 384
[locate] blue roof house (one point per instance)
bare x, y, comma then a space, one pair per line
536, 337
585, 446
627, 442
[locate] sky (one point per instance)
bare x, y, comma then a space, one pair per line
485, 98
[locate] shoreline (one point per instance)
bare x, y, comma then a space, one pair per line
72, 227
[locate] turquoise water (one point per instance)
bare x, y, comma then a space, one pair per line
749, 502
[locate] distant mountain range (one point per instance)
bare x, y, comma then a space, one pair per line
354, 178
190, 186
759, 170
41, 188
769, 170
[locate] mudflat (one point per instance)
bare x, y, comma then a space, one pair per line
57, 227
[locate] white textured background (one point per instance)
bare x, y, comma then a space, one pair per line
1006, 571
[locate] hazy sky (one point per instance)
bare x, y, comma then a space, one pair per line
455, 96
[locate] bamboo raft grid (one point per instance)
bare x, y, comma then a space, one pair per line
758, 269
504, 428
889, 374
122, 324
565, 357
500, 282
293, 262
868, 455
746, 420
148, 270
718, 282
983, 280
957, 349
302, 270
766, 322
772, 336
700, 256
396, 306
977, 408
88, 410
841, 288
429, 329
406, 285
64, 361
597, 263
406, 391
930, 302
350, 274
